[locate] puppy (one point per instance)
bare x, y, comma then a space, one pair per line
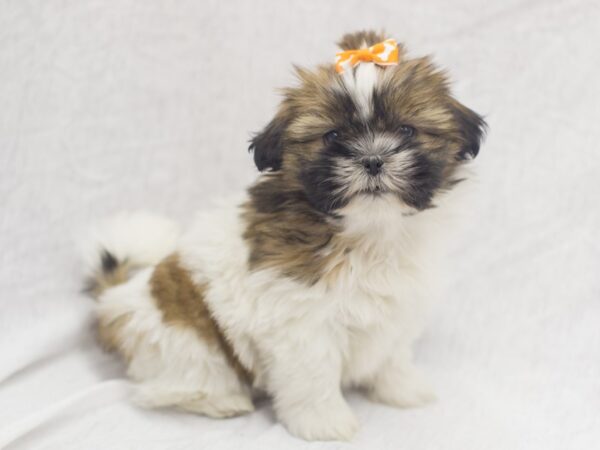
318, 279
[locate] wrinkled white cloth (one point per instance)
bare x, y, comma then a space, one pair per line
107, 106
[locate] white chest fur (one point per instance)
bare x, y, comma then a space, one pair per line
381, 290
377, 297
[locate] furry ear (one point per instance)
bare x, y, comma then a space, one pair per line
471, 127
268, 144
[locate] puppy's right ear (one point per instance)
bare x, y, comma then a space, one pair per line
268, 144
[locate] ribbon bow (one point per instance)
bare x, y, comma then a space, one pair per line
383, 53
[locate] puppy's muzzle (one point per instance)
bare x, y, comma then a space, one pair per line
372, 164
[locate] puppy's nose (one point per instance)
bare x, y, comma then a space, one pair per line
373, 164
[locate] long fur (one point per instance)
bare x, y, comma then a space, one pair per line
320, 278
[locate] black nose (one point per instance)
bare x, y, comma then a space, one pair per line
373, 164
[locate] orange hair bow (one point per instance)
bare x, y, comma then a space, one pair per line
383, 53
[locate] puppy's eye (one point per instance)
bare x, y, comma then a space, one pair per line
407, 130
330, 137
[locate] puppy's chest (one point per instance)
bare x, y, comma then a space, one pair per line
369, 285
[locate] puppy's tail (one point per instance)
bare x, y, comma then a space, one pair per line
124, 243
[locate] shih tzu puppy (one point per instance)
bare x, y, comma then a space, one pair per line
319, 278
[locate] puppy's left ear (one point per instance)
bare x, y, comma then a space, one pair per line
269, 143
471, 128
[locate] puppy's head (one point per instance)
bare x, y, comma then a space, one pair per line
368, 131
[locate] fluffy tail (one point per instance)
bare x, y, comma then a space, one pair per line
124, 243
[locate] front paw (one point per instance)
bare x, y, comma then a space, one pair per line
404, 390
327, 421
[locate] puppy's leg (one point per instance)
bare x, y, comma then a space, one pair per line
304, 380
172, 364
399, 383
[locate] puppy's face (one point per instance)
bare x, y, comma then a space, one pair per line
369, 131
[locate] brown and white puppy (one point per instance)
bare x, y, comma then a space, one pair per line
319, 278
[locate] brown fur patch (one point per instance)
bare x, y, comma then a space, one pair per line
285, 233
353, 41
182, 304
109, 334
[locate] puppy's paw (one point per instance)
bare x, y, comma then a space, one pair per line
402, 391
220, 406
328, 421
151, 395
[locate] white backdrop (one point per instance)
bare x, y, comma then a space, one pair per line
149, 104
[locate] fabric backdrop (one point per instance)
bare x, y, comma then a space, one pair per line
147, 104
